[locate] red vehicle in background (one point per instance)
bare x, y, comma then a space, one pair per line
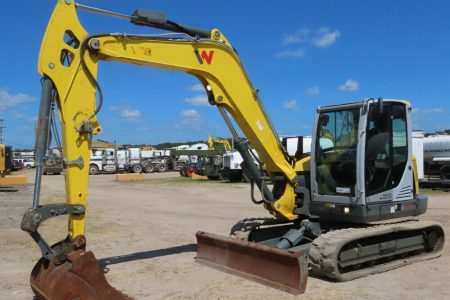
17, 164
187, 169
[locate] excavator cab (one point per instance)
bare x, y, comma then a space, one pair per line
365, 166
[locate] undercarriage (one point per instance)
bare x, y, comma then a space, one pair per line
334, 251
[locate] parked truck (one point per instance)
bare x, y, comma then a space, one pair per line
231, 166
203, 162
232, 161
209, 165
110, 160
159, 163
103, 161
436, 155
54, 162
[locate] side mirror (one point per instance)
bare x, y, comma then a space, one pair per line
380, 105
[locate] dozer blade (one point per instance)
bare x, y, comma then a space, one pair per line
267, 265
79, 277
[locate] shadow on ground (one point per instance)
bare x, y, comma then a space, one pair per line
105, 262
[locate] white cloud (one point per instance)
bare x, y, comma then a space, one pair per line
127, 113
8, 100
199, 100
312, 91
291, 104
26, 128
17, 115
197, 88
22, 116
429, 119
321, 38
190, 117
349, 86
325, 38
300, 36
298, 53
190, 113
435, 110
130, 113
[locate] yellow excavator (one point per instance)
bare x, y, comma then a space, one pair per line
324, 206
5, 159
213, 141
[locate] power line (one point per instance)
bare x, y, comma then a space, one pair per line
1, 130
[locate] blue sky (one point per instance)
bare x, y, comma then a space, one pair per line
299, 54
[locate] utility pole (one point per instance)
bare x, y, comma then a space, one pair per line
1, 131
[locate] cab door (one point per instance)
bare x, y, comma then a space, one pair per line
388, 170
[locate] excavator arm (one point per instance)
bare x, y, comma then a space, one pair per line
69, 57
68, 63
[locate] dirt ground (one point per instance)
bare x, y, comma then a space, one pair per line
143, 233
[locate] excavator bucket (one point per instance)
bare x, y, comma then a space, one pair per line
270, 266
79, 277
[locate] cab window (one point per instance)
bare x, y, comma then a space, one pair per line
386, 147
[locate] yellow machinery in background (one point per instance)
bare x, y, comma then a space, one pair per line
6, 165
148, 148
221, 141
103, 144
3, 167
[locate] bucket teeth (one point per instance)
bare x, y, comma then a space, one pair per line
270, 266
79, 277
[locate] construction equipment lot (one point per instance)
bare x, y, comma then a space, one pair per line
143, 234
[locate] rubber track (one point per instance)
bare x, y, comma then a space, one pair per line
323, 255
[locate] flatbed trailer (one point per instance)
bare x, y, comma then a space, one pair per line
434, 182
